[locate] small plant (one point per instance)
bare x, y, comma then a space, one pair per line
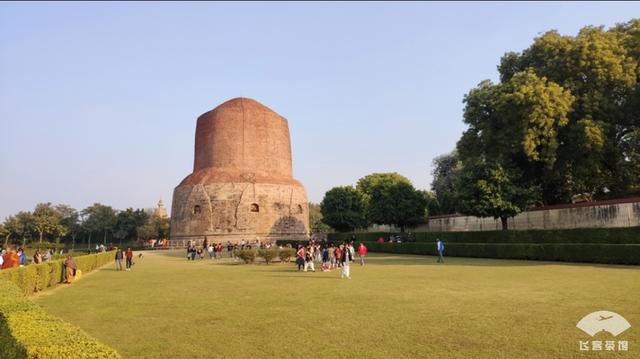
247, 255
286, 254
269, 254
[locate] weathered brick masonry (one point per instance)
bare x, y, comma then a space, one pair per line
242, 185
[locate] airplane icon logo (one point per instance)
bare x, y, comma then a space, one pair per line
603, 320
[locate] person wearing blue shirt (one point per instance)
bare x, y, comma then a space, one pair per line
440, 251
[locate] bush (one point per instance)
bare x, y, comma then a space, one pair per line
36, 277
269, 254
592, 253
27, 331
286, 254
247, 255
629, 235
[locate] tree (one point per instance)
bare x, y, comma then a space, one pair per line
23, 226
343, 208
487, 189
601, 70
70, 220
366, 184
99, 218
315, 219
513, 131
127, 223
46, 220
446, 171
396, 203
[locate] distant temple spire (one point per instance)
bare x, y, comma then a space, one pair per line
161, 211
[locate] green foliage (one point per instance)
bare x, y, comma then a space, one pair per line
367, 183
99, 218
315, 220
446, 170
487, 189
593, 253
397, 203
269, 254
343, 208
629, 235
37, 277
27, 331
247, 255
286, 254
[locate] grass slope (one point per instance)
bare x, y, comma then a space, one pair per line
396, 306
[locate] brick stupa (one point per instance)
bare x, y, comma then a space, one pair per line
242, 185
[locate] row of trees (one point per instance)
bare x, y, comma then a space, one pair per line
564, 121
380, 198
98, 223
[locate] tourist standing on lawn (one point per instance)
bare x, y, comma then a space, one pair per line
308, 259
129, 258
362, 251
119, 256
300, 257
345, 258
440, 247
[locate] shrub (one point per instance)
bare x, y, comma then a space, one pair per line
286, 254
36, 277
592, 253
629, 235
27, 331
247, 255
269, 254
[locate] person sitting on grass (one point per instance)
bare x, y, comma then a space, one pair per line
70, 269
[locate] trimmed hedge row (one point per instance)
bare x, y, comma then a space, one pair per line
591, 253
628, 235
28, 331
33, 278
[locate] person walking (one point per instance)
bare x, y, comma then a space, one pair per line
362, 251
129, 259
119, 256
440, 247
345, 259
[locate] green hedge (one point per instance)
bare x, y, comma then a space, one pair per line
28, 331
628, 235
592, 253
33, 278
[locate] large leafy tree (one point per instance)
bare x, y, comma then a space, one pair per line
46, 221
99, 218
487, 189
127, 223
343, 208
600, 68
446, 170
396, 203
69, 220
367, 183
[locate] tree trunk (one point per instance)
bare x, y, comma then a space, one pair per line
504, 223
73, 242
89, 242
104, 240
6, 240
41, 233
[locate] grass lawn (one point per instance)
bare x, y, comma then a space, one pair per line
397, 306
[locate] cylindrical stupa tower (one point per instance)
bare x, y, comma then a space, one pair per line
242, 185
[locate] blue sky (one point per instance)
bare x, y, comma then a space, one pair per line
98, 101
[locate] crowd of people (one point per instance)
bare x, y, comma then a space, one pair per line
17, 257
216, 250
329, 256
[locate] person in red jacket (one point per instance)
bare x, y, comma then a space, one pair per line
129, 258
362, 251
380, 240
